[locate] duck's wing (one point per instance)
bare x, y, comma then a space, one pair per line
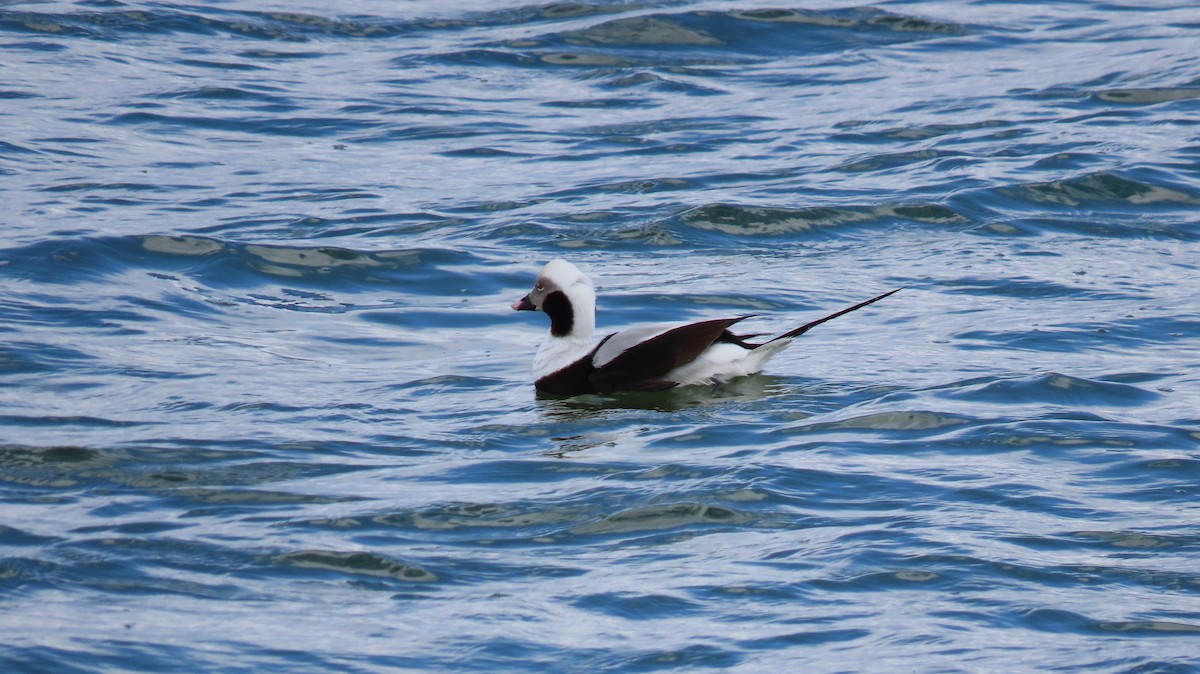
637, 359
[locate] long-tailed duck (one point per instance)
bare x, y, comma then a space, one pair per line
649, 358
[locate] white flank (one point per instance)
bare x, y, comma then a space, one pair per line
724, 361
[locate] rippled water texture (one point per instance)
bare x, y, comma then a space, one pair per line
264, 407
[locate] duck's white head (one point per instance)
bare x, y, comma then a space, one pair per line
566, 295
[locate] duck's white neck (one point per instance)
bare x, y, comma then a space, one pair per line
557, 352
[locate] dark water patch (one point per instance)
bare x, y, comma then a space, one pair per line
119, 24
33, 46
352, 564
614, 103
480, 57
1053, 388
670, 516
279, 25
1018, 287
738, 220
219, 93
483, 152
276, 55
882, 162
191, 475
1054, 620
807, 638
711, 435
1059, 621
605, 237
68, 140
322, 194
132, 529
1103, 226
46, 24
71, 261
129, 567
496, 522
1133, 540
34, 357
663, 83
1122, 547
1157, 480
1081, 437
117, 187
692, 656
191, 304
317, 195
444, 384
639, 148
7, 148
1078, 338
977, 574
725, 36
547, 471
747, 389
1161, 628
885, 580
606, 61
11, 536
1024, 498
824, 494
25, 572
302, 127
85, 656
1069, 161
1097, 189
207, 64
637, 606
701, 40
524, 231
662, 30
1135, 204
923, 423
241, 498
702, 128
422, 132
640, 186
866, 131
217, 264
1118, 568
763, 592
81, 421
512, 520
356, 222
180, 481
852, 17
1148, 96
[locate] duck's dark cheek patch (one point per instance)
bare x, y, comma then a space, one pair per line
562, 315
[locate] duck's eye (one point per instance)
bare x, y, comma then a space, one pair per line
539, 287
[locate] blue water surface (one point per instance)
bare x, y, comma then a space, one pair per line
264, 407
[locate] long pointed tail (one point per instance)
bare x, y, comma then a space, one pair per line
808, 326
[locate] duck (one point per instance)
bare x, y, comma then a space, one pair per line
570, 362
